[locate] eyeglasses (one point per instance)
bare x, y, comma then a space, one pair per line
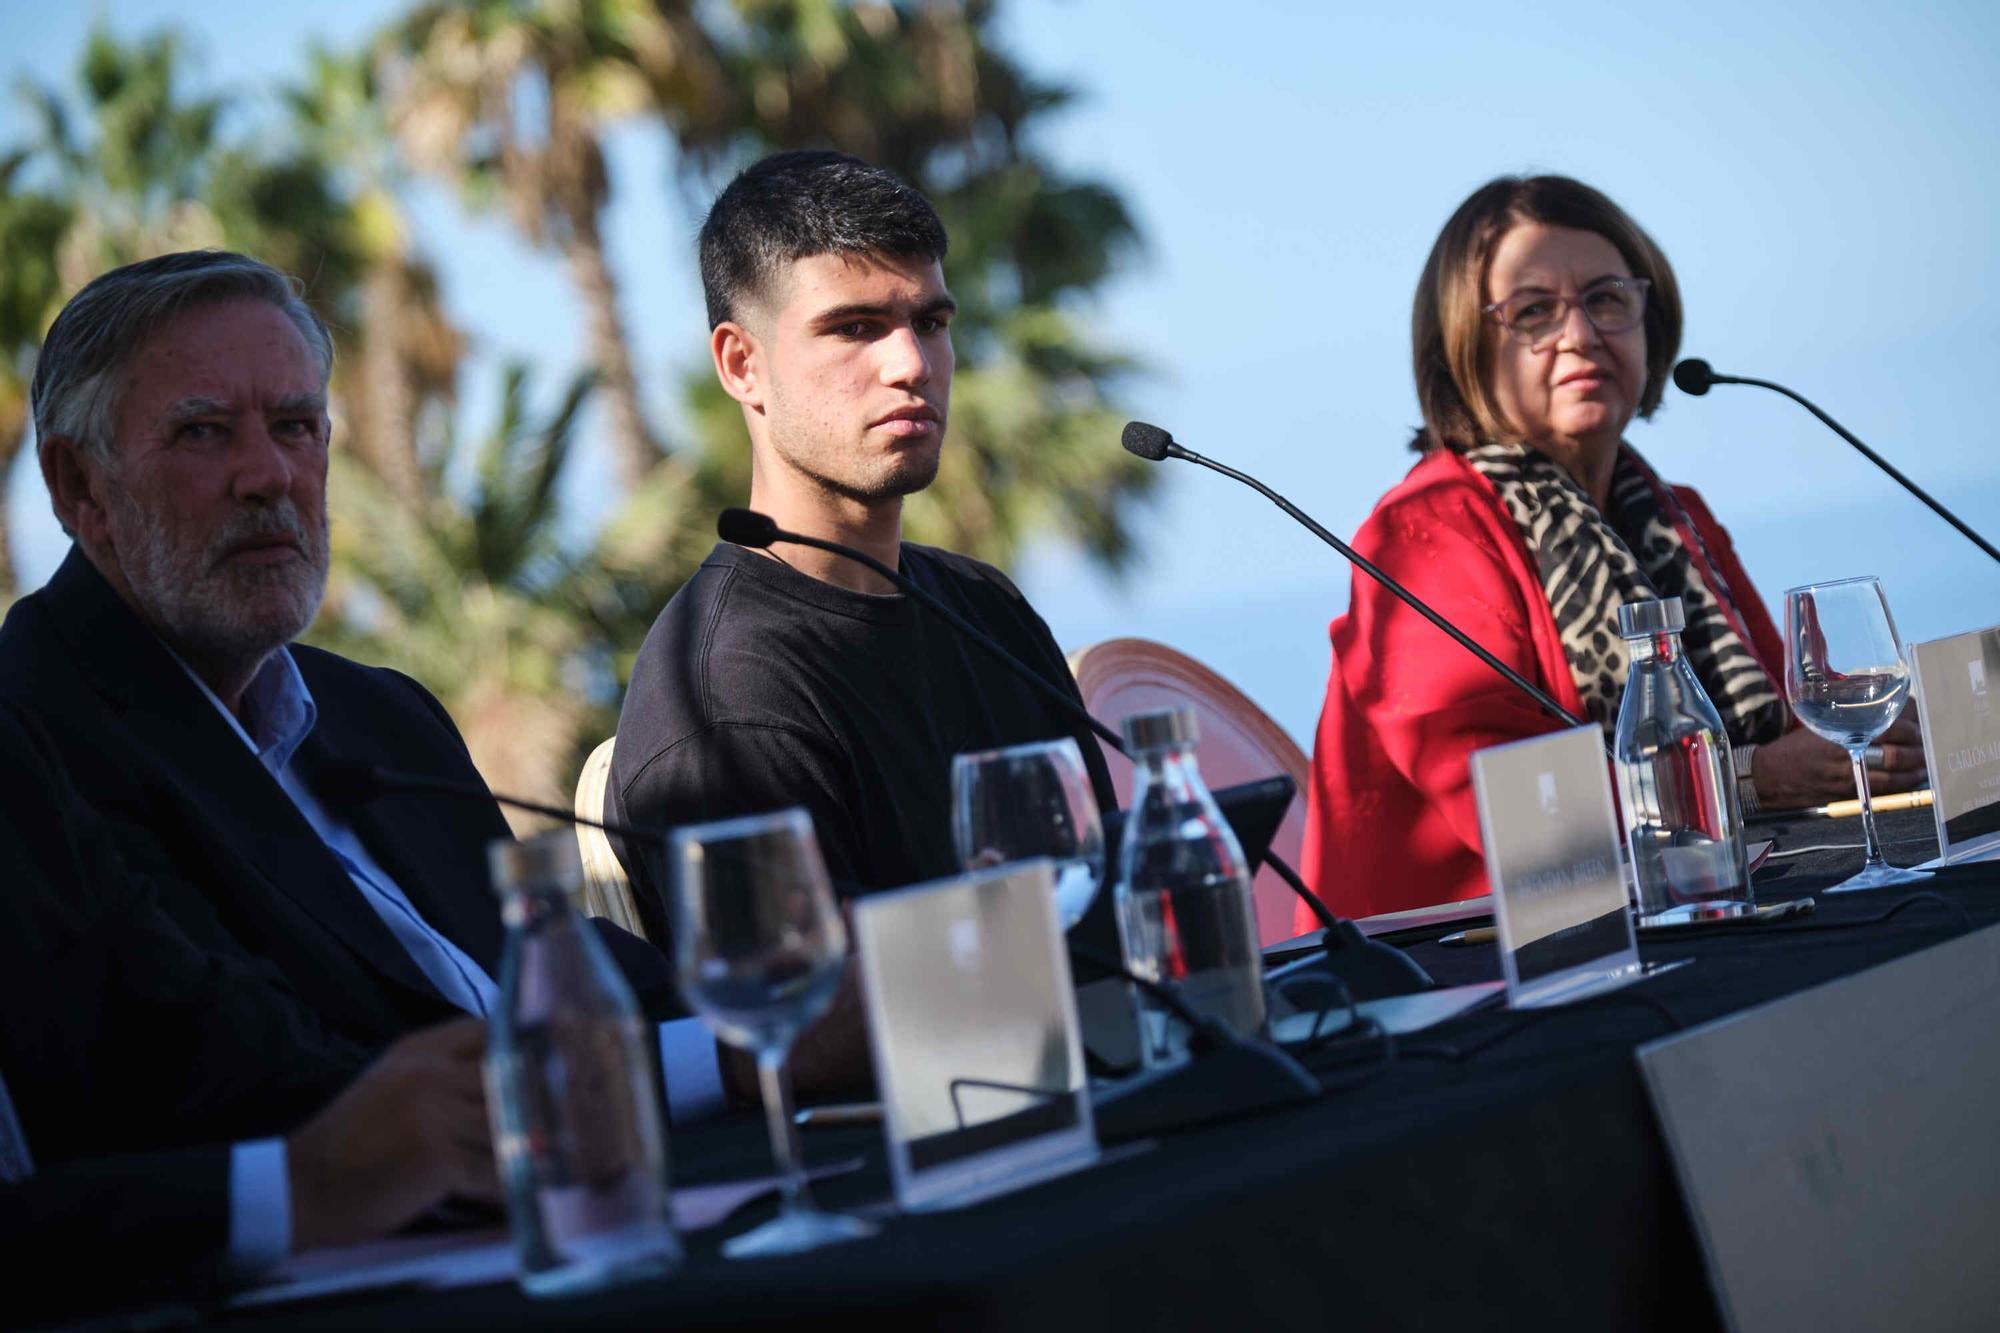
1612, 305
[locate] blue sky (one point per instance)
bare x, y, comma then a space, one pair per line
1823, 177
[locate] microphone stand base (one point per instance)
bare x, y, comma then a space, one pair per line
1370, 969
1231, 1079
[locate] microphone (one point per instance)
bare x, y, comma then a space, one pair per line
1694, 376
347, 783
1230, 1076
1150, 442
747, 527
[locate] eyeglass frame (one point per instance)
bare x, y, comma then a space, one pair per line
1641, 285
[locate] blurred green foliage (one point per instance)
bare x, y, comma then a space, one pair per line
452, 560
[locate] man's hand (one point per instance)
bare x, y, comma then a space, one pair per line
1800, 769
830, 1058
408, 1133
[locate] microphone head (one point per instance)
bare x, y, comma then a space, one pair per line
1147, 441
746, 527
1693, 376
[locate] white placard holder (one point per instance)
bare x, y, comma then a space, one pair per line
1550, 836
1836, 1147
1958, 704
972, 1020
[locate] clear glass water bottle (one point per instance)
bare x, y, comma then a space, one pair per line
1185, 915
571, 1088
1684, 827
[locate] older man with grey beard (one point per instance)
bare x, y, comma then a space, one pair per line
181, 413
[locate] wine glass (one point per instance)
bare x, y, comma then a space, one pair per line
1846, 678
758, 950
1027, 801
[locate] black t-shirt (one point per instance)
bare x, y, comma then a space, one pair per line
760, 687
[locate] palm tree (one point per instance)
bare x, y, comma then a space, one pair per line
511, 99
32, 225
124, 184
137, 182
923, 91
476, 596
400, 352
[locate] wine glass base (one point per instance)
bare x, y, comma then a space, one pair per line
790, 1233
1691, 914
1879, 877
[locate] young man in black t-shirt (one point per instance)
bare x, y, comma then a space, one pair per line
793, 676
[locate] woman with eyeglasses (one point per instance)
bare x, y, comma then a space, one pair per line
1544, 321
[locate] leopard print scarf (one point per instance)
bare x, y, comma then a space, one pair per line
1590, 567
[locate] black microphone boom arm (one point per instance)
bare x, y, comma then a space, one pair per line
1705, 376
356, 783
748, 528
1367, 566
736, 524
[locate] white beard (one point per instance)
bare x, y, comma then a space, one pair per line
219, 614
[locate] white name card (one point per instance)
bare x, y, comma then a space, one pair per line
973, 1025
1958, 702
1551, 843
1836, 1147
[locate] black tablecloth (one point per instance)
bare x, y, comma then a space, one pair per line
1503, 1171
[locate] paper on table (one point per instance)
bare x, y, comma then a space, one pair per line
1438, 914
444, 1260
432, 1263
1400, 1014
699, 1207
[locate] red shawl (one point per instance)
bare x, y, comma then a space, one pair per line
1391, 820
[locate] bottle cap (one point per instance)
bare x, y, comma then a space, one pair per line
1160, 728
546, 861
1640, 620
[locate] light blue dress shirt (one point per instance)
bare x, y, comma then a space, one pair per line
281, 714
16, 1163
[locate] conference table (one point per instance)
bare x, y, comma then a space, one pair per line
1501, 1170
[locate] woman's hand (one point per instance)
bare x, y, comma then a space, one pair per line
1799, 769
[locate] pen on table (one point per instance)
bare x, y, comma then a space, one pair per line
1909, 800
1477, 935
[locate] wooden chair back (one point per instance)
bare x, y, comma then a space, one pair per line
1239, 743
606, 890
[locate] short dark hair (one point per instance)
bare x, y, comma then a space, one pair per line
1446, 317
793, 205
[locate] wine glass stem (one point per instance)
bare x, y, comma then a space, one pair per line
1856, 757
776, 1086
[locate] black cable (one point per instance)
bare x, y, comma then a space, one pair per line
1673, 1020
1902, 905
1409, 599
1389, 1052
1344, 1002
1524, 1018
746, 527
1520, 1020
1359, 1029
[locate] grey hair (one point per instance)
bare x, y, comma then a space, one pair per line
77, 388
